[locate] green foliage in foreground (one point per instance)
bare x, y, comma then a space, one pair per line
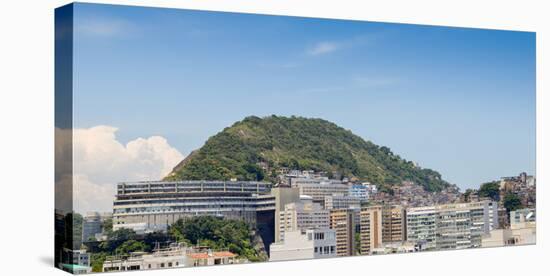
212, 232
121, 242
218, 234
299, 143
96, 261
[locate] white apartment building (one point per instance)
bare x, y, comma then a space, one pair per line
340, 201
175, 256
304, 244
523, 230
451, 226
421, 227
158, 204
319, 188
301, 216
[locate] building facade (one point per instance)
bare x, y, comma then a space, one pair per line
160, 203
319, 188
451, 226
174, 256
522, 231
370, 229
421, 227
343, 223
394, 224
303, 215
359, 191
304, 244
283, 196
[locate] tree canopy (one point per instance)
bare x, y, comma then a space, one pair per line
218, 234
512, 202
490, 190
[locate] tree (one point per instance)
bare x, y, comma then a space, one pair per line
490, 190
512, 202
97, 260
108, 225
130, 246
116, 238
218, 234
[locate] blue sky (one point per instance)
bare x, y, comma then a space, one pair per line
460, 101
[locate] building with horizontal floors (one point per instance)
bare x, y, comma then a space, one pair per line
340, 201
421, 227
303, 215
359, 191
522, 231
283, 196
522, 218
455, 228
370, 229
164, 202
319, 188
342, 221
173, 256
158, 204
494, 221
92, 225
451, 226
394, 223
304, 244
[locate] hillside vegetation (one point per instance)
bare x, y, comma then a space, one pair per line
298, 143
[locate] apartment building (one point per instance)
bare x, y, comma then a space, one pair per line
283, 196
319, 188
173, 256
451, 226
421, 227
340, 201
304, 244
393, 224
359, 191
370, 229
164, 202
522, 231
302, 215
343, 223
92, 225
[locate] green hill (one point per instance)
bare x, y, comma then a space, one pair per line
298, 143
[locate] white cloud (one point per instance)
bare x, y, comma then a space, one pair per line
322, 48
100, 161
